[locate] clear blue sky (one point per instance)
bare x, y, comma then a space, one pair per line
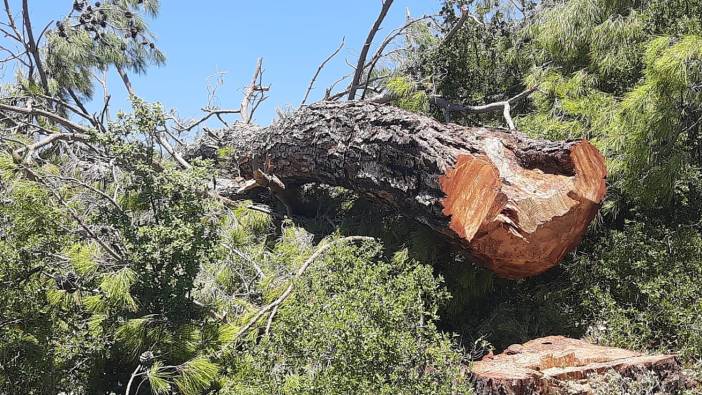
200, 38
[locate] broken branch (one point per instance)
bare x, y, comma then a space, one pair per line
360, 65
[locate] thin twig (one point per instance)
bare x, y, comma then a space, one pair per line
379, 53
131, 379
75, 215
251, 94
107, 197
319, 70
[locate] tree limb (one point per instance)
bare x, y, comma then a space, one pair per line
461, 21
360, 65
46, 141
125, 80
504, 105
54, 117
32, 46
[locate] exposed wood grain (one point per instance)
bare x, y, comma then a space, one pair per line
515, 204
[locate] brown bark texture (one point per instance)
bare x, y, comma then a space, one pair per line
516, 204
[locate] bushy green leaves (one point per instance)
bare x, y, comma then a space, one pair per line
355, 324
638, 288
407, 96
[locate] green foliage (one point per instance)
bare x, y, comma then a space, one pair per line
130, 270
637, 287
407, 96
618, 77
484, 62
96, 37
29, 325
196, 376
355, 324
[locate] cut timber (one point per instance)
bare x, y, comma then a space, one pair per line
517, 205
559, 365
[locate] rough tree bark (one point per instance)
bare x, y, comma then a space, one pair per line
515, 204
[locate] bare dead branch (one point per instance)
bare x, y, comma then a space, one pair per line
505, 105
32, 46
379, 53
329, 90
29, 149
49, 115
360, 65
462, 20
339, 95
209, 113
319, 70
254, 94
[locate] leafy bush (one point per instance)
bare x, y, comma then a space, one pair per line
639, 288
355, 324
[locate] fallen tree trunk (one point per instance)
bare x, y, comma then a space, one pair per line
517, 205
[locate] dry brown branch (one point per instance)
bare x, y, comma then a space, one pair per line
360, 65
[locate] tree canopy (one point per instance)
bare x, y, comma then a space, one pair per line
125, 268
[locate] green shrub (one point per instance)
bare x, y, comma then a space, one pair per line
356, 324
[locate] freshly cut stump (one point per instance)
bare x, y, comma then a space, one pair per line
516, 204
559, 365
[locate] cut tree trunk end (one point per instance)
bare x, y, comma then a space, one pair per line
559, 365
516, 204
